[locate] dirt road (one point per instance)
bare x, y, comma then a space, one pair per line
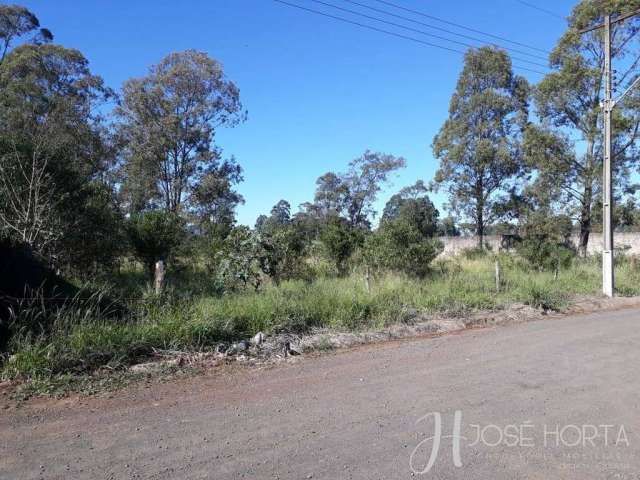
550, 399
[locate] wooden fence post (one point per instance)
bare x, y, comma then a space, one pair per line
159, 277
367, 279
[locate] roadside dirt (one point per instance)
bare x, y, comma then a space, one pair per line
287, 349
354, 413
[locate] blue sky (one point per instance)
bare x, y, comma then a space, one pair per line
319, 92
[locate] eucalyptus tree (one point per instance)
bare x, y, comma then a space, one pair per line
18, 23
566, 148
52, 149
214, 199
168, 122
351, 194
479, 145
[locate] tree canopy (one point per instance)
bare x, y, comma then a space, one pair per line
413, 206
566, 149
53, 146
168, 122
352, 194
17, 22
479, 146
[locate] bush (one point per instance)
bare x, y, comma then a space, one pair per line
96, 242
239, 261
284, 247
546, 254
545, 298
340, 240
399, 246
546, 242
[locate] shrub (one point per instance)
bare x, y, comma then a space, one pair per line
401, 247
546, 242
239, 261
545, 298
340, 240
546, 254
283, 250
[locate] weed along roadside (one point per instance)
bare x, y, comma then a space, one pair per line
174, 332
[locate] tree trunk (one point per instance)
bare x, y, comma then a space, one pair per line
479, 194
587, 199
584, 238
480, 227
585, 219
367, 279
585, 226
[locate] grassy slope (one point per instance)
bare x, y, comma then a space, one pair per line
83, 343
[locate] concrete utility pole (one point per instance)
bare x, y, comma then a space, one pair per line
608, 280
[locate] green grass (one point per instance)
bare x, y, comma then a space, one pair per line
80, 343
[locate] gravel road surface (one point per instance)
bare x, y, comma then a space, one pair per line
551, 399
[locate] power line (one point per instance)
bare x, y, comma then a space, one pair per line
422, 32
497, 37
462, 35
368, 26
544, 10
387, 32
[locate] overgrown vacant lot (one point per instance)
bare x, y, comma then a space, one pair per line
81, 339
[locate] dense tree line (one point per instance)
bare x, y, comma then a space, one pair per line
89, 176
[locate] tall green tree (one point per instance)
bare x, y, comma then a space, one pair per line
352, 194
479, 146
280, 216
331, 195
168, 122
53, 150
566, 148
214, 197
